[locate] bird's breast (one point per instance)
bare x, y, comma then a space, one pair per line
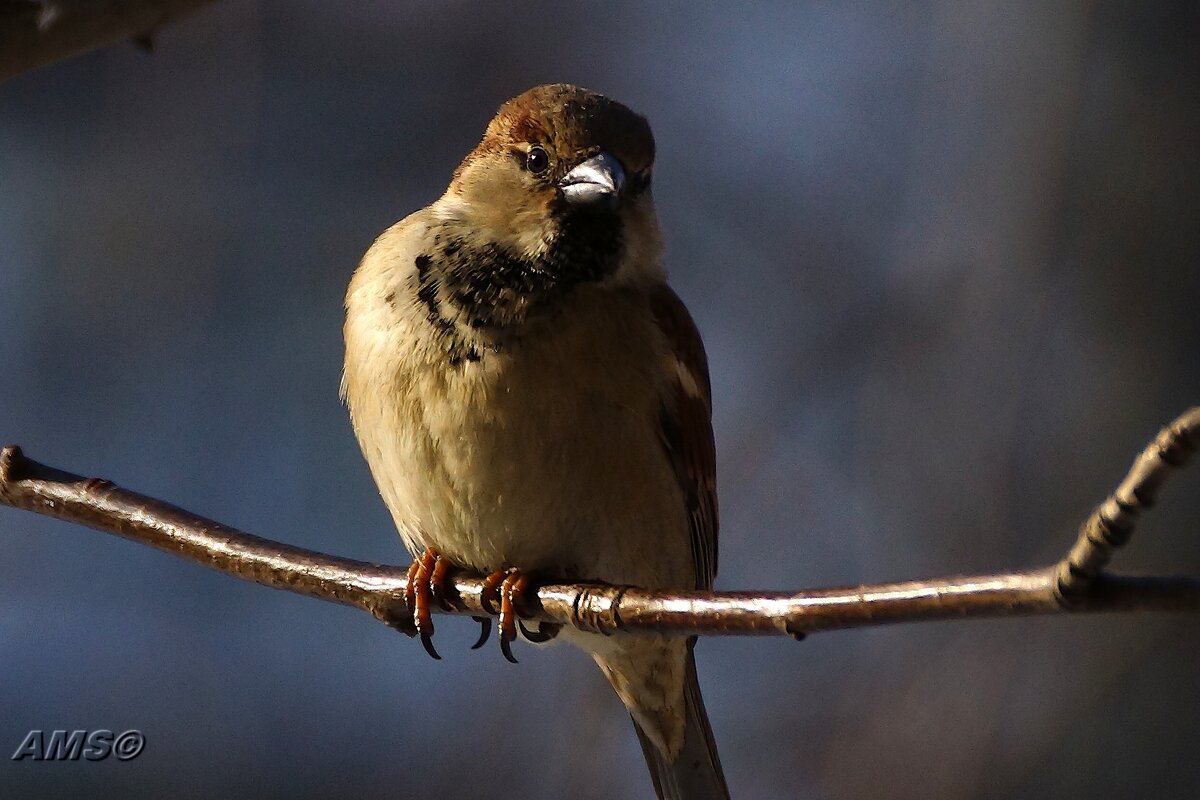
546, 455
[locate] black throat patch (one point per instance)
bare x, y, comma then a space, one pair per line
479, 297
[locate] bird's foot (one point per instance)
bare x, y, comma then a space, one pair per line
504, 590
427, 582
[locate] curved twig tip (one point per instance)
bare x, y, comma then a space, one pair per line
1112, 522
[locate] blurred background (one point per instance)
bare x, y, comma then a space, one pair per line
946, 260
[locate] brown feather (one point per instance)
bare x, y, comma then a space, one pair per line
572, 124
687, 428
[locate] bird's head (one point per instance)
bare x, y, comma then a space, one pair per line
561, 181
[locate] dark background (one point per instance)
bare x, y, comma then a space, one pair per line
946, 259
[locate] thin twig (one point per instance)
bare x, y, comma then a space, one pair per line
1078, 584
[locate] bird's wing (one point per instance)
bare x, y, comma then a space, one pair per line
686, 426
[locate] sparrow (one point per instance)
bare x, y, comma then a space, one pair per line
533, 399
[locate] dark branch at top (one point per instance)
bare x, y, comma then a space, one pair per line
34, 33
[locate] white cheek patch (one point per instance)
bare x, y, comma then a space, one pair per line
450, 208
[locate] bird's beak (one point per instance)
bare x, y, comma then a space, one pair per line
596, 182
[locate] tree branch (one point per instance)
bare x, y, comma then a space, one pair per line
34, 33
1077, 584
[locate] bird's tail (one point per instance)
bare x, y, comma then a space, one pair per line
696, 773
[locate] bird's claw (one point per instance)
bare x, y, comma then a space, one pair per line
497, 597
514, 585
503, 591
427, 581
485, 631
544, 633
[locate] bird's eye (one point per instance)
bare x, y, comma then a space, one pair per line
537, 161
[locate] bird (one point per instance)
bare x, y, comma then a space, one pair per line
533, 399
